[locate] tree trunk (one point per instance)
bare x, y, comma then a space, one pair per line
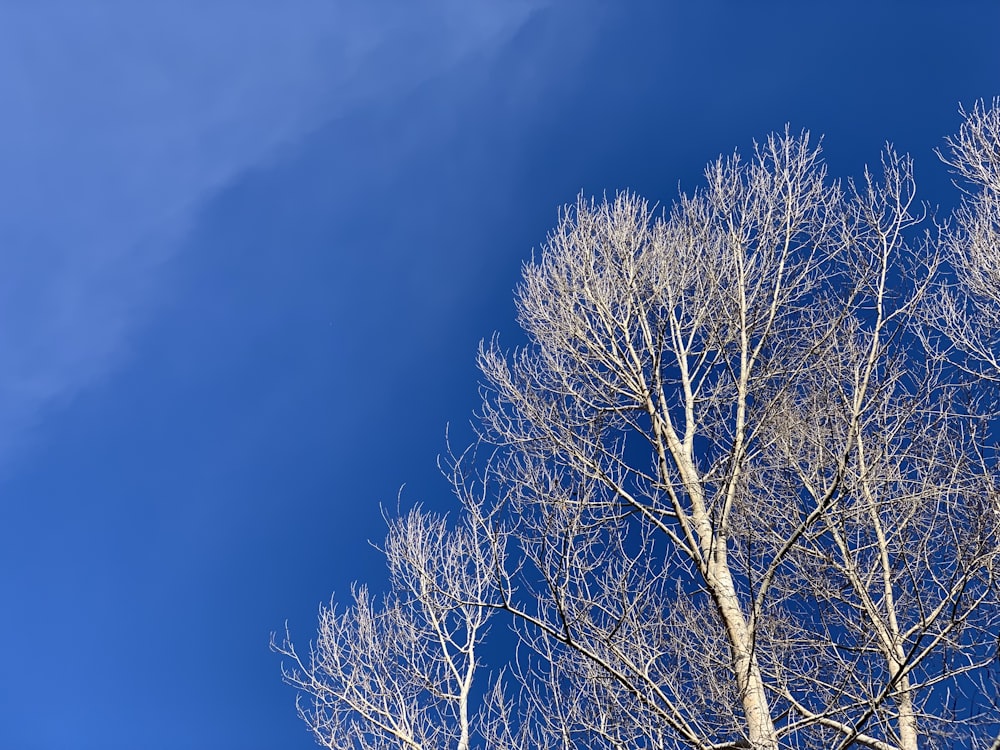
760, 727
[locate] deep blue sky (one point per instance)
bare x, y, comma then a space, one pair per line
248, 250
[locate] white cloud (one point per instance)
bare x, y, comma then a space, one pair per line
121, 119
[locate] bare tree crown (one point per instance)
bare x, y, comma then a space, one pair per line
740, 487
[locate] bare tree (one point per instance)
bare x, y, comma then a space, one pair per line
731, 500
970, 312
399, 674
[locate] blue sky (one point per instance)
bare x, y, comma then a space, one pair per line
248, 250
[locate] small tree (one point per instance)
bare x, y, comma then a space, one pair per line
739, 493
400, 673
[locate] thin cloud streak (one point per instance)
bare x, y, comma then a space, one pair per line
120, 123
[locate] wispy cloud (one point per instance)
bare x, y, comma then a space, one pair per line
121, 119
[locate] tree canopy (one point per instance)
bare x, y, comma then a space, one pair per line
739, 489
